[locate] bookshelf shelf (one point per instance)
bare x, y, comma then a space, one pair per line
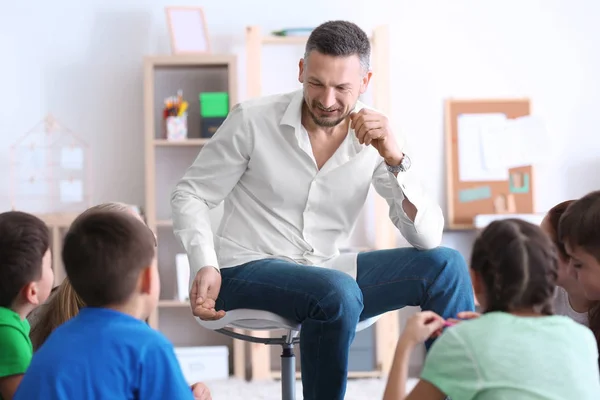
178, 143
173, 303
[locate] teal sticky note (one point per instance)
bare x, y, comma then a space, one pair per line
474, 194
524, 188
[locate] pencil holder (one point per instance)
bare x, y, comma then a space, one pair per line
176, 127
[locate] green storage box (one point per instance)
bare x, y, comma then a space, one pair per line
214, 104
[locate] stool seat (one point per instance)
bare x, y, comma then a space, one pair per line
254, 320
259, 320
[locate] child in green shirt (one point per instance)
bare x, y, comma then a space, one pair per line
26, 279
517, 349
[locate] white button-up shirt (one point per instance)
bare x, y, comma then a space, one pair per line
277, 204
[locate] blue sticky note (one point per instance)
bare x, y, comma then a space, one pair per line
474, 194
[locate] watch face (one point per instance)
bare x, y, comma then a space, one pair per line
405, 162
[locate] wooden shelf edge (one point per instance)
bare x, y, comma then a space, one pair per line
459, 227
186, 142
173, 304
287, 40
164, 223
184, 60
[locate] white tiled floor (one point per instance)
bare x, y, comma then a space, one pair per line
232, 389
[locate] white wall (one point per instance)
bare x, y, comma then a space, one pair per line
82, 62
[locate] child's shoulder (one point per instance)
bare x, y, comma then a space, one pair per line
15, 345
12, 326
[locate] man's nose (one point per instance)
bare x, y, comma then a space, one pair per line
328, 98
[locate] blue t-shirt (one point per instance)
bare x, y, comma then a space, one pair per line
104, 354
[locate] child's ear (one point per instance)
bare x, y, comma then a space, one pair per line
146, 280
30, 292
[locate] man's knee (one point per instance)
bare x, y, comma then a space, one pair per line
337, 296
451, 264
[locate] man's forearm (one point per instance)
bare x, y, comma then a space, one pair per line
409, 208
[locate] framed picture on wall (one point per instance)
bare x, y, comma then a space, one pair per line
188, 30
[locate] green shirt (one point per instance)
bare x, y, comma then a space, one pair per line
502, 356
15, 346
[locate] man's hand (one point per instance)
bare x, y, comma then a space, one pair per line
200, 391
373, 128
420, 327
204, 293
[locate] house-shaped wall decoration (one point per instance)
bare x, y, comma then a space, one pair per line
50, 170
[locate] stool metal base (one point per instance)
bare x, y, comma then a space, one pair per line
288, 358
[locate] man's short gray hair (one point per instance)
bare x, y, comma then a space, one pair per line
340, 39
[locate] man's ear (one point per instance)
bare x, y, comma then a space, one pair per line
365, 82
301, 70
146, 277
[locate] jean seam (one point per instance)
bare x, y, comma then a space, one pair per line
308, 295
427, 294
412, 278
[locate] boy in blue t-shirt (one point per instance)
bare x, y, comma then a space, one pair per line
107, 351
26, 279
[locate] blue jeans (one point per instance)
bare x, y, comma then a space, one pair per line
330, 303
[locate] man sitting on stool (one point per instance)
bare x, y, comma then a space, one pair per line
294, 171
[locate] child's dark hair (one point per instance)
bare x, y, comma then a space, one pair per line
518, 265
103, 253
554, 215
580, 224
24, 240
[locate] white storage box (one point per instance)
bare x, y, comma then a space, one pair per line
206, 363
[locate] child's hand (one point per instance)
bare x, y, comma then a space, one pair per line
465, 315
462, 316
200, 391
420, 327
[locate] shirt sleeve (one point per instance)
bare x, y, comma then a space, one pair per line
215, 172
425, 232
452, 368
15, 352
161, 375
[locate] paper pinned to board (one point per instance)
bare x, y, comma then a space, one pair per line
518, 142
471, 165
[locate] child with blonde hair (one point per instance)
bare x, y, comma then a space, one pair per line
517, 349
64, 303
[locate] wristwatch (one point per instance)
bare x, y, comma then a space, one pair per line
402, 167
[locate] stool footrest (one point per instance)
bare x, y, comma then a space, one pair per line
254, 339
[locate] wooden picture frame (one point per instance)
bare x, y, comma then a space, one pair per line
188, 30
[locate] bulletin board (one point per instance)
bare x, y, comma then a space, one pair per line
473, 186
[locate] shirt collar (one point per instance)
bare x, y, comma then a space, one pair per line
293, 113
292, 117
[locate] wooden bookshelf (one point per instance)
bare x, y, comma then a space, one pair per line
165, 163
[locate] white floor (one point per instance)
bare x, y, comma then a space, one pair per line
232, 389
